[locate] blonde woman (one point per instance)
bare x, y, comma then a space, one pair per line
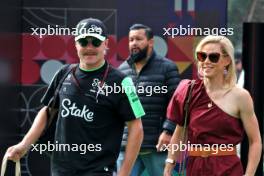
219, 114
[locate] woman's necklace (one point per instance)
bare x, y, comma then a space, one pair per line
210, 104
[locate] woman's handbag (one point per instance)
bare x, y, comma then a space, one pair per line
4, 164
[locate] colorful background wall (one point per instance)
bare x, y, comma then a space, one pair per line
32, 61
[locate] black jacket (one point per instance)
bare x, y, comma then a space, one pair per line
161, 73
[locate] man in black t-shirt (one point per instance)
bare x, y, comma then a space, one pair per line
91, 115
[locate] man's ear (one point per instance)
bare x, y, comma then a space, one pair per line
106, 43
151, 43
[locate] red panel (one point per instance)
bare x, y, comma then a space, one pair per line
53, 47
174, 53
72, 50
122, 48
30, 46
30, 72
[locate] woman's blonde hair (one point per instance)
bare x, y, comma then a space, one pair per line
226, 49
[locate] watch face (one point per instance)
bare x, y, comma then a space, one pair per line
168, 160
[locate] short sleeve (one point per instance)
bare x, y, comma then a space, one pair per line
130, 106
175, 111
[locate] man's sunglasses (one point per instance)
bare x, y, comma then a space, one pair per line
94, 41
213, 57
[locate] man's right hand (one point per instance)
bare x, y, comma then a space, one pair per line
17, 151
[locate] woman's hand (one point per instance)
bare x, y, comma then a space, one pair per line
168, 169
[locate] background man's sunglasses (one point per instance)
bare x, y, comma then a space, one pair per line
94, 41
213, 57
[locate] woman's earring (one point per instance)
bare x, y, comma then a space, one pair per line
225, 71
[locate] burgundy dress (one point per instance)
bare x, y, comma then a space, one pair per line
207, 125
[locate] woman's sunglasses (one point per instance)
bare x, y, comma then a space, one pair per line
213, 57
94, 41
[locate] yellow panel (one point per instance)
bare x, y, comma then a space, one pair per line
183, 66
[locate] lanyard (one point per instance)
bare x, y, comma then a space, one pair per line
100, 86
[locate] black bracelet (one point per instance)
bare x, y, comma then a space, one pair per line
169, 125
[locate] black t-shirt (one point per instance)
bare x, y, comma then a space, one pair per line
90, 118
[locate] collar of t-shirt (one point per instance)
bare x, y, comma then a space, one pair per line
98, 71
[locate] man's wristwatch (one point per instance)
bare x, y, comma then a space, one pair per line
171, 161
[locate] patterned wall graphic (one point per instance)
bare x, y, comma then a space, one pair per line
42, 57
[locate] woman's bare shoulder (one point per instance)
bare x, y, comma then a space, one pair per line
240, 92
242, 97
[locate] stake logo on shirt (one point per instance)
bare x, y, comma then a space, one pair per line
70, 109
96, 87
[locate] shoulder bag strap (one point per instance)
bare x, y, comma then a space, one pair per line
56, 94
186, 115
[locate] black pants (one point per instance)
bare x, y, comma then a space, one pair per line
58, 170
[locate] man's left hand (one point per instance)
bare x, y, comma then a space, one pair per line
163, 139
